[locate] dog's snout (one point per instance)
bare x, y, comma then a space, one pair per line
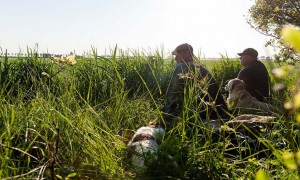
227, 85
226, 88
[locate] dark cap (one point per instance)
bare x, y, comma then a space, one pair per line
183, 47
250, 52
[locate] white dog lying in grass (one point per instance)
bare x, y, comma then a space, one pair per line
145, 141
241, 98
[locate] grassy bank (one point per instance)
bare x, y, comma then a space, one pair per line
67, 120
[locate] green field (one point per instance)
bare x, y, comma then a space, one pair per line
70, 121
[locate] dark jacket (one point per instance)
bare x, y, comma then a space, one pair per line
184, 74
257, 80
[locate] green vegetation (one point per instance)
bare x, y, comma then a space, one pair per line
268, 17
69, 121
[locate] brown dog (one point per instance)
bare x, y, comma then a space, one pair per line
239, 97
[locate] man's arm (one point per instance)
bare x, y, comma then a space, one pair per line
172, 93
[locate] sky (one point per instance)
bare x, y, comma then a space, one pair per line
212, 27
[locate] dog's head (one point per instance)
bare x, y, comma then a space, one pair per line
146, 139
237, 93
235, 84
150, 132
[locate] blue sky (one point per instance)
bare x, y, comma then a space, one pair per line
212, 27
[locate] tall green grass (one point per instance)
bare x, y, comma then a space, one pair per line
72, 123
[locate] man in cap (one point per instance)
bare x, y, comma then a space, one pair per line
255, 75
183, 76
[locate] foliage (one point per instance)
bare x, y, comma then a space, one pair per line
269, 16
291, 36
23, 75
225, 69
75, 123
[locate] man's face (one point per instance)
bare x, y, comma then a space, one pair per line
183, 56
246, 60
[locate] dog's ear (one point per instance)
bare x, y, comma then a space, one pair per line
230, 85
227, 85
136, 138
132, 146
233, 84
238, 83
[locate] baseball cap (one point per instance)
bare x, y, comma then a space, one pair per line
249, 51
183, 47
